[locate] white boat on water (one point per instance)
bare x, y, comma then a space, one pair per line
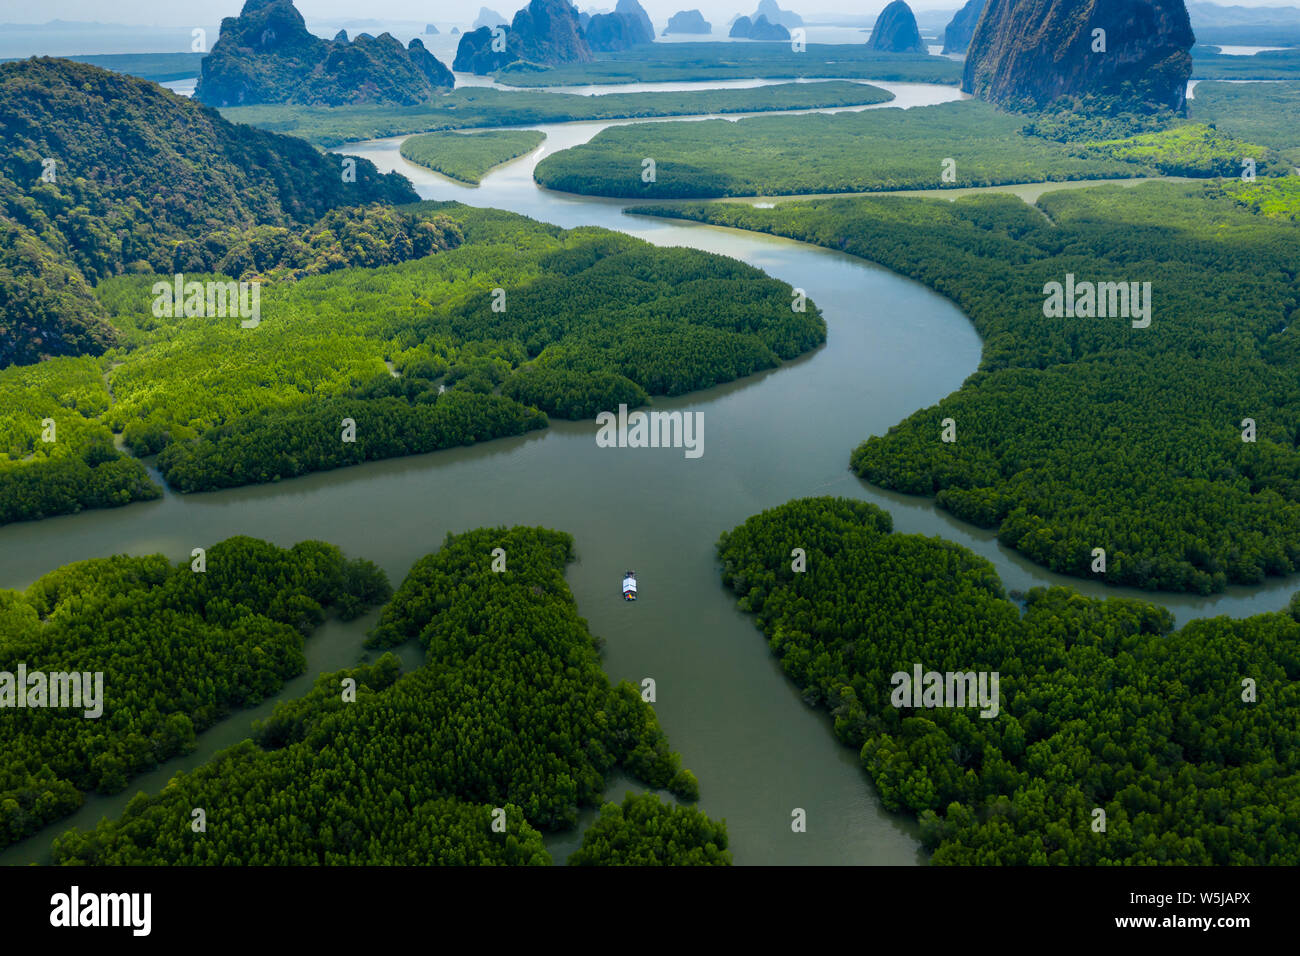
629, 586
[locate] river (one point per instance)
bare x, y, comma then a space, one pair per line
893, 346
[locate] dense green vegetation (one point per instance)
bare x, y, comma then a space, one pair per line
511, 710
1273, 198
868, 151
1085, 433
79, 468
665, 62
468, 157
358, 236
178, 649
587, 319
643, 831
480, 106
98, 178
1102, 704
1267, 113
1190, 149
287, 442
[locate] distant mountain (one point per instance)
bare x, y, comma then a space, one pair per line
688, 21
627, 26
956, 38
546, 33
786, 18
489, 18
430, 30
1029, 53
267, 55
128, 187
896, 31
1217, 15
758, 29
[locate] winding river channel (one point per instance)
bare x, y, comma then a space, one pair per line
893, 346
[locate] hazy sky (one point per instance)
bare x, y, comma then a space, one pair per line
189, 12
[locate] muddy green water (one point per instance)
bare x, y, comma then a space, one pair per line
758, 750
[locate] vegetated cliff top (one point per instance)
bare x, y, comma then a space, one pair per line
100, 177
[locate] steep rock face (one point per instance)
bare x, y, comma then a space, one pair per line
1031, 52
896, 31
625, 27
433, 68
758, 29
545, 32
267, 55
956, 38
631, 8
688, 21
786, 18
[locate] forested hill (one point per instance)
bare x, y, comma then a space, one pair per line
104, 173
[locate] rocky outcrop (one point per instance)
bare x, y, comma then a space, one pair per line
896, 31
688, 21
786, 18
956, 38
758, 29
267, 55
633, 9
489, 18
627, 26
545, 33
430, 30
1029, 53
433, 68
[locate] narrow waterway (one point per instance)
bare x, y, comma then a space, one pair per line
759, 751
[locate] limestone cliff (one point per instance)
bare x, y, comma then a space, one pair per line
546, 32
267, 55
1029, 53
896, 31
956, 38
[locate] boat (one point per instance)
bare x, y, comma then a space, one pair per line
629, 586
